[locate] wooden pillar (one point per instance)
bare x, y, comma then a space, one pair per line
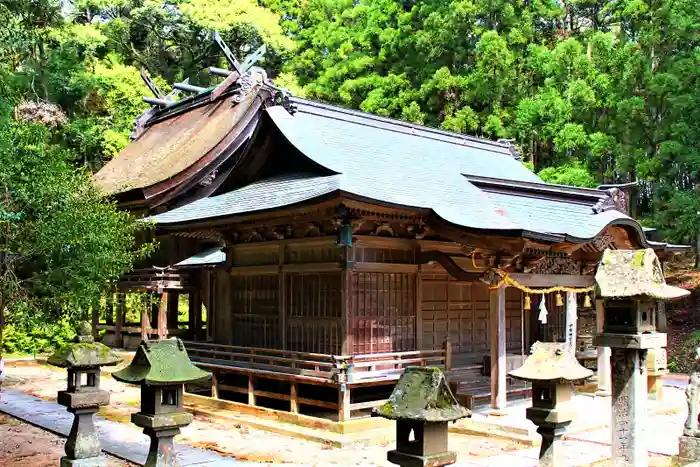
282, 297
571, 320
172, 310
195, 314
603, 368
95, 318
343, 403
163, 317
109, 309
145, 321
346, 311
293, 404
447, 348
419, 309
211, 306
119, 320
214, 385
251, 390
497, 325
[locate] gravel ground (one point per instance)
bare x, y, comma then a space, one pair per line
22, 445
238, 441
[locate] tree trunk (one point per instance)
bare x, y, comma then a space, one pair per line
697, 249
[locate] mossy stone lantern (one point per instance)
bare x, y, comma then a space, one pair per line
630, 284
552, 369
161, 368
422, 403
83, 397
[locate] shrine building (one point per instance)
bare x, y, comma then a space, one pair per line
322, 250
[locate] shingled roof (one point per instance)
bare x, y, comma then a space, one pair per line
469, 182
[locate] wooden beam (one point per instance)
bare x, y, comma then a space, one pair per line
394, 268
497, 325
552, 280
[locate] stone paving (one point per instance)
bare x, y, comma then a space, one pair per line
118, 439
127, 442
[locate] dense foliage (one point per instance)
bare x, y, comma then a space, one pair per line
591, 91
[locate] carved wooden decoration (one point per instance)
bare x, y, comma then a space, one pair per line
312, 230
555, 265
603, 242
384, 230
254, 236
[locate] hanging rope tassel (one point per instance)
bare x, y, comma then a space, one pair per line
528, 303
587, 301
543, 311
560, 300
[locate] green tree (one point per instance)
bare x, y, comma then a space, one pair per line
61, 242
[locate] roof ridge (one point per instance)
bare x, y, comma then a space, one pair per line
514, 185
399, 123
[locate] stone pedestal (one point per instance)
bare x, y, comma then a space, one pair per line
83, 445
551, 450
655, 385
603, 372
629, 394
161, 429
689, 448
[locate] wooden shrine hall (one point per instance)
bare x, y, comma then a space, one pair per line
330, 249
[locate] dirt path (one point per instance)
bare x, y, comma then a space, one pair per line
239, 441
23, 445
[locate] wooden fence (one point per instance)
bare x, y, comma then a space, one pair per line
343, 372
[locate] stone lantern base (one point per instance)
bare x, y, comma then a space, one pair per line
689, 448
83, 445
432, 460
161, 429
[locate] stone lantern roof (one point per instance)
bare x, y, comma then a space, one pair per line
84, 352
551, 361
161, 363
633, 273
422, 395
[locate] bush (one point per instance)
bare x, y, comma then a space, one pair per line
35, 339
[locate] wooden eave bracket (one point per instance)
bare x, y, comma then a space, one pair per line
446, 261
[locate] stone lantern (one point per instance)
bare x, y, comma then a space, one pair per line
161, 368
83, 397
422, 404
552, 369
630, 283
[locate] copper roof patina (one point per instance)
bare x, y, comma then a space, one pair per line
84, 352
551, 361
161, 363
172, 145
422, 394
633, 273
